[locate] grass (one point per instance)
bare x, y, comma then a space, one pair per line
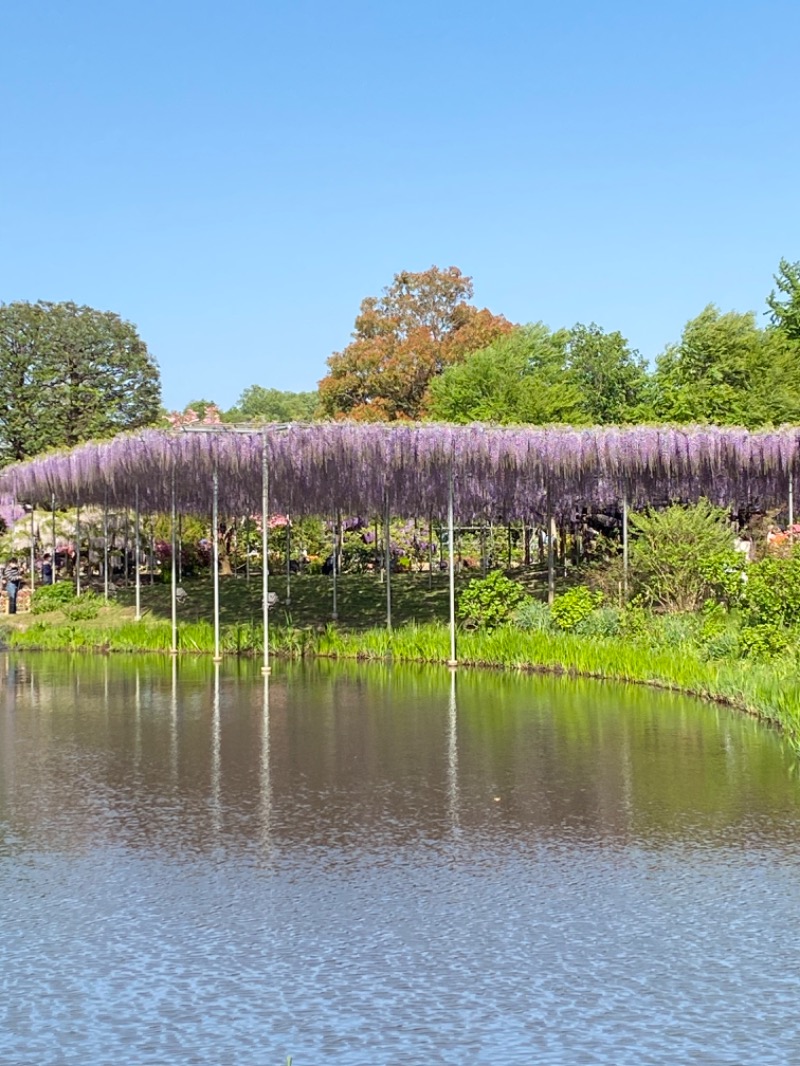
768, 690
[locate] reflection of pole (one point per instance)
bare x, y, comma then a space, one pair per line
173, 577
452, 571
452, 753
266, 784
215, 753
137, 706
173, 736
215, 554
388, 536
138, 576
265, 549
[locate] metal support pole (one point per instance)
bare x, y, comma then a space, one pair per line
337, 532
625, 549
33, 547
452, 571
247, 549
388, 539
430, 550
173, 577
105, 547
138, 577
791, 510
78, 550
551, 548
288, 562
53, 557
215, 555
265, 549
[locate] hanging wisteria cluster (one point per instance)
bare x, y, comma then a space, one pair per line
498, 473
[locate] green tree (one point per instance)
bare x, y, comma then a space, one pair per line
727, 371
257, 404
613, 379
785, 312
402, 340
68, 374
521, 378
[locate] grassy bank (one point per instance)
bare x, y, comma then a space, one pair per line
768, 690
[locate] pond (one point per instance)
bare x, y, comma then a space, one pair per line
367, 864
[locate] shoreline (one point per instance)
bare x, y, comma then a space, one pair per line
763, 690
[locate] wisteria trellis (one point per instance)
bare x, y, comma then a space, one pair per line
498, 473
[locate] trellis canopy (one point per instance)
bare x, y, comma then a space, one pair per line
500, 473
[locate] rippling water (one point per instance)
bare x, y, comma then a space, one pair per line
373, 865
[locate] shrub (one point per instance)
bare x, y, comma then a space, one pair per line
679, 555
602, 622
83, 607
724, 644
52, 597
772, 594
533, 616
574, 606
763, 641
490, 601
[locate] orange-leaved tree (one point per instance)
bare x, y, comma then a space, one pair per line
422, 324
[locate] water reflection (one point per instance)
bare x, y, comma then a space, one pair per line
375, 864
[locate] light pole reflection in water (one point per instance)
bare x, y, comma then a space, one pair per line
265, 782
137, 736
215, 755
452, 753
173, 732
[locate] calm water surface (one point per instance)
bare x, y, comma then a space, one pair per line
376, 865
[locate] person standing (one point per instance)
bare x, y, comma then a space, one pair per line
12, 580
47, 569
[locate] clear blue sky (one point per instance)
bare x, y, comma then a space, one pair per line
234, 178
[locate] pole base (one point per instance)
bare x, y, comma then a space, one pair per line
452, 662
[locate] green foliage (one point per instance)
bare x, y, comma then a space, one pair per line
727, 371
771, 606
257, 404
613, 380
672, 550
52, 597
489, 601
521, 377
726, 574
574, 606
785, 313
534, 616
83, 607
763, 640
601, 622
772, 593
68, 374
